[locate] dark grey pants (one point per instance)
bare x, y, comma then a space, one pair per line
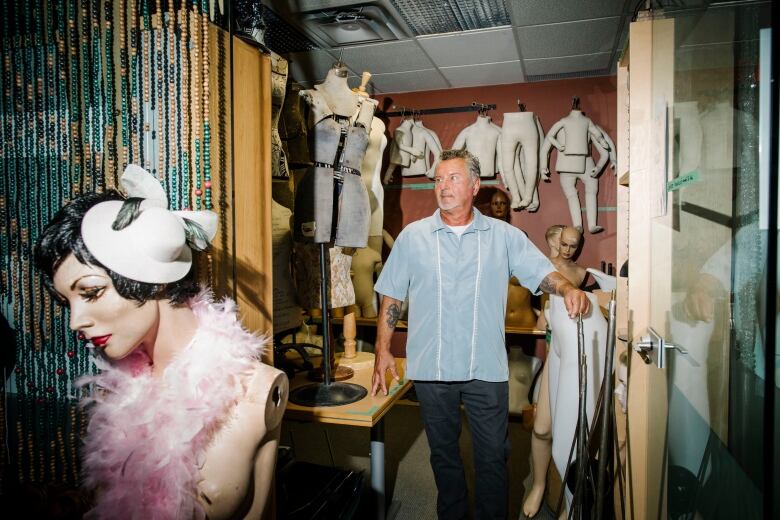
487, 410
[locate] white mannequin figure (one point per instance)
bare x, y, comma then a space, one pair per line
421, 140
563, 383
371, 172
401, 149
481, 138
574, 162
521, 135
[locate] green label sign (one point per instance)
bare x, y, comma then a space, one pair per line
683, 180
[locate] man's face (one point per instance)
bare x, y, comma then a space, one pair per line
570, 241
454, 187
499, 205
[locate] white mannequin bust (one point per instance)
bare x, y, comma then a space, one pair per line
481, 138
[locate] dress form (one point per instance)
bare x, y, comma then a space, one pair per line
481, 139
521, 135
287, 313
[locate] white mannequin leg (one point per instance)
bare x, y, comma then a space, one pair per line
509, 173
569, 187
591, 202
530, 156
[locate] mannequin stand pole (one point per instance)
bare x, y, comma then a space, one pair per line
327, 393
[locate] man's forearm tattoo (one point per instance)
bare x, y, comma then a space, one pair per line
552, 284
393, 313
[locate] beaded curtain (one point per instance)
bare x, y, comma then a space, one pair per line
87, 87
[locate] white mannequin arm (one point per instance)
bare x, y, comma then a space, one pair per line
597, 136
544, 158
610, 147
551, 136
499, 166
408, 149
460, 141
603, 156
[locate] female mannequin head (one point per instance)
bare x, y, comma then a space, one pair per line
115, 312
499, 205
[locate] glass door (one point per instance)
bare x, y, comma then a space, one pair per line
710, 255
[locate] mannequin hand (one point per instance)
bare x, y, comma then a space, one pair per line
388, 179
594, 173
561, 147
383, 361
417, 152
699, 302
576, 302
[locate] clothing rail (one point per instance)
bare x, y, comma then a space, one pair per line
474, 107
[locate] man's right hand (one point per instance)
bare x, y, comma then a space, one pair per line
383, 361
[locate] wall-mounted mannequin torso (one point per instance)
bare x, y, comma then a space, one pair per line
401, 149
572, 136
481, 138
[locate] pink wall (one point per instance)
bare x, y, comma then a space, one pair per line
551, 101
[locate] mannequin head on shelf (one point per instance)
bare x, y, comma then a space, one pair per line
499, 206
553, 237
570, 239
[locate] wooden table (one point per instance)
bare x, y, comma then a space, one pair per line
369, 412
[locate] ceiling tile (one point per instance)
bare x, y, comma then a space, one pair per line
388, 57
568, 64
484, 74
310, 66
471, 47
411, 81
534, 12
568, 38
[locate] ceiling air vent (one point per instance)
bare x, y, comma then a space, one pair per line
357, 24
444, 16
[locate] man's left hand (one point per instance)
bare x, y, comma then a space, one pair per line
576, 302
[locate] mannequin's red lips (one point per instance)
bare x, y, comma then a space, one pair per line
100, 341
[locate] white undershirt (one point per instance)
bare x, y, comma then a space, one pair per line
459, 230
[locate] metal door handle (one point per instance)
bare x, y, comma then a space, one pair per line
653, 347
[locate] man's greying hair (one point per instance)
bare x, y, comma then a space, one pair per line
472, 163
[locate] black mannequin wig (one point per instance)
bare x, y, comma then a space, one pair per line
62, 236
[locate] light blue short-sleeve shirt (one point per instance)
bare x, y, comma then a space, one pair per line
457, 288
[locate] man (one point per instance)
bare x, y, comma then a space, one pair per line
455, 266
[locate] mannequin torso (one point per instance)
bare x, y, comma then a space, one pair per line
481, 139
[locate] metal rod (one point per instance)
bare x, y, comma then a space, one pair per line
474, 107
325, 320
582, 441
605, 451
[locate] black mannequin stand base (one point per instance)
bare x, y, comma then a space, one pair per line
334, 394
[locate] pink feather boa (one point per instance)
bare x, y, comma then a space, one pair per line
147, 437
